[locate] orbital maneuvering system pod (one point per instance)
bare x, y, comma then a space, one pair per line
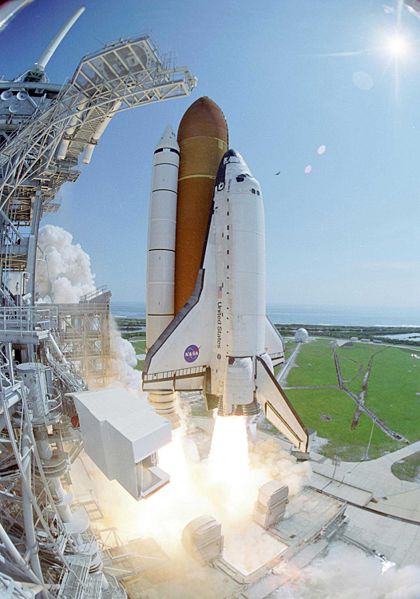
220, 341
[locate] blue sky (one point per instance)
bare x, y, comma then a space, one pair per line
345, 234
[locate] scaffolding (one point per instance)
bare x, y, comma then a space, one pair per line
41, 150
84, 337
47, 131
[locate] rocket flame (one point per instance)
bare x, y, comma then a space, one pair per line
228, 459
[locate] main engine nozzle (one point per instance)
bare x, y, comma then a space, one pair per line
250, 409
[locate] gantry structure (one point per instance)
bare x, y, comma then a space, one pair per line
47, 131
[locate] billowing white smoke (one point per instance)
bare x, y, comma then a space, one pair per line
194, 491
63, 273
349, 574
345, 572
125, 359
63, 276
280, 465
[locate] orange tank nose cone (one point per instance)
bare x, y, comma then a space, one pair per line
203, 118
203, 139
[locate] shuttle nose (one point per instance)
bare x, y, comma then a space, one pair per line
231, 154
230, 157
237, 159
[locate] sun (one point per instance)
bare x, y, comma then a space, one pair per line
397, 45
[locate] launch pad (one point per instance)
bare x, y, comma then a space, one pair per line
254, 562
250, 553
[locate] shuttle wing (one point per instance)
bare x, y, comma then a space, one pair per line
277, 408
273, 343
179, 358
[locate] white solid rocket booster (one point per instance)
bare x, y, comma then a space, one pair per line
161, 241
161, 250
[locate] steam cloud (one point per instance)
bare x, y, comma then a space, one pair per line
349, 574
63, 276
193, 492
125, 359
280, 465
63, 273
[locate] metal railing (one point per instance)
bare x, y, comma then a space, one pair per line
67, 373
88, 297
174, 374
26, 319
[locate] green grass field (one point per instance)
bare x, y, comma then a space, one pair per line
394, 382
392, 394
354, 362
314, 365
408, 468
139, 345
330, 412
289, 347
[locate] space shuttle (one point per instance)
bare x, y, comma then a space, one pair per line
220, 342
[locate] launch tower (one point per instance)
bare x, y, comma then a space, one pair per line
46, 131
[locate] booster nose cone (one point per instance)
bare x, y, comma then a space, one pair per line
168, 140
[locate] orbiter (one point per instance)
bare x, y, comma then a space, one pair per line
221, 341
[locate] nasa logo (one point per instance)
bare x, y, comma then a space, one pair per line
191, 353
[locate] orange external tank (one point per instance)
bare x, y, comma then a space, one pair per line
202, 139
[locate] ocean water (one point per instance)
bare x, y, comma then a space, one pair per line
344, 315
404, 336
128, 309
291, 314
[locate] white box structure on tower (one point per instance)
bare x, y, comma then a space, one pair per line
122, 434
